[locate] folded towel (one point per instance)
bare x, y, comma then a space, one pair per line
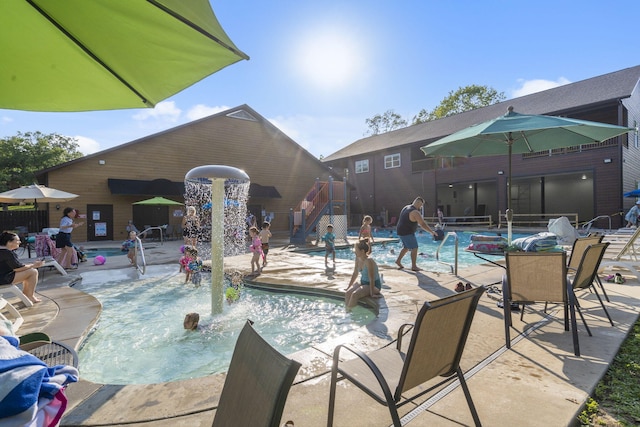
540, 242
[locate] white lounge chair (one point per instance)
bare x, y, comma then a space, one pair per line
626, 258
15, 314
13, 289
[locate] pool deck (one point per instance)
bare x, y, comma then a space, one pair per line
537, 382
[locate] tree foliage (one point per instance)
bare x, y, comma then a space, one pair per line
25, 153
381, 123
464, 99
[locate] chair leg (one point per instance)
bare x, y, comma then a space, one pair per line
467, 395
506, 307
332, 393
595, 291
604, 292
574, 323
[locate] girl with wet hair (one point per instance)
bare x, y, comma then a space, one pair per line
370, 283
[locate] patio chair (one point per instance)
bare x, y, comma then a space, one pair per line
16, 318
257, 383
579, 247
538, 277
437, 341
587, 273
627, 257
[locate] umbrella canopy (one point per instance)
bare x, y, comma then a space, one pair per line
38, 193
79, 55
521, 133
633, 193
157, 201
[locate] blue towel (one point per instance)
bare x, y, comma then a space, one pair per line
25, 379
540, 242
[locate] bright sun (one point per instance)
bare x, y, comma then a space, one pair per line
329, 60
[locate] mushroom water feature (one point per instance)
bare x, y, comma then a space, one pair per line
229, 187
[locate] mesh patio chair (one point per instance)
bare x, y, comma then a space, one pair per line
579, 246
257, 383
437, 341
587, 273
533, 277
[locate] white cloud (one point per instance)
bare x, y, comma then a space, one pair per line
321, 136
87, 145
5, 119
199, 111
537, 85
164, 112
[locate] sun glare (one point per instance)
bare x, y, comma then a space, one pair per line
330, 60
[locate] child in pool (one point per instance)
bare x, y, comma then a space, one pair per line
130, 247
256, 249
187, 258
370, 282
195, 268
265, 234
365, 229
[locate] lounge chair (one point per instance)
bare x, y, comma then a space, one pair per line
587, 273
257, 383
627, 257
16, 318
435, 349
579, 247
13, 289
538, 277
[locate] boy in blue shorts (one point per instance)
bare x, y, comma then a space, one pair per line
329, 244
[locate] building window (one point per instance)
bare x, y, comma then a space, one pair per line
392, 161
362, 166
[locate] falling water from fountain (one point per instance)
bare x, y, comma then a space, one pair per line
219, 194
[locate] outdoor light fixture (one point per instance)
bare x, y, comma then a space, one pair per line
607, 160
101, 162
500, 172
470, 186
584, 176
450, 185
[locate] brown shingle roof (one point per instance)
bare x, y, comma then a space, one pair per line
593, 91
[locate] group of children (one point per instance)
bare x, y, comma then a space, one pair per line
191, 265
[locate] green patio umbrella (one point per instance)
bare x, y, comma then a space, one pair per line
516, 133
80, 55
157, 201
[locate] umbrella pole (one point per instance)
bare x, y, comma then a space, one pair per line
509, 212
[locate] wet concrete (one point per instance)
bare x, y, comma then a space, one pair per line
537, 382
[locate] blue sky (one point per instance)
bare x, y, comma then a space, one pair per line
318, 70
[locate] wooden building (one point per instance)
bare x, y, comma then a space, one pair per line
108, 182
387, 171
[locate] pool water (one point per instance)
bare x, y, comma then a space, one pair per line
387, 253
105, 252
140, 338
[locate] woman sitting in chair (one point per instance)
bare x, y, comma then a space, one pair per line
12, 271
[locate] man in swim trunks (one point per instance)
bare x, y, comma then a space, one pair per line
408, 222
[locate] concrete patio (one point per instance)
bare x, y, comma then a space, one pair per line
537, 382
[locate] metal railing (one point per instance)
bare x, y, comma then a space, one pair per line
139, 249
477, 220
454, 266
586, 227
535, 219
162, 229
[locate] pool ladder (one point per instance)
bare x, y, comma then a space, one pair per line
454, 266
141, 267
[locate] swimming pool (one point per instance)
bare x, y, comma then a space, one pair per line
140, 338
105, 252
387, 253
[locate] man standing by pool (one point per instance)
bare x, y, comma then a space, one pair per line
408, 222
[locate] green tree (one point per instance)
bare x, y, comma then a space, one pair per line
464, 99
381, 123
25, 153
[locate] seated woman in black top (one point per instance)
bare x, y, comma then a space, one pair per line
12, 271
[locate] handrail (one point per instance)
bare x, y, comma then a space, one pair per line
587, 225
454, 266
141, 268
156, 227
